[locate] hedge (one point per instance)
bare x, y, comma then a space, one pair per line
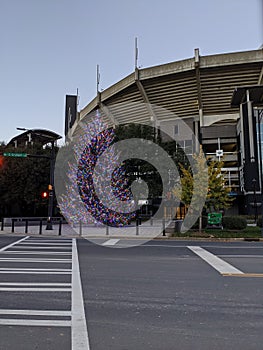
234, 222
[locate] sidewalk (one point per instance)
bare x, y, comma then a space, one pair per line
145, 230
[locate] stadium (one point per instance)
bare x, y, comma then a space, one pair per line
218, 96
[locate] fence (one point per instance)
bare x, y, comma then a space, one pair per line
134, 229
25, 221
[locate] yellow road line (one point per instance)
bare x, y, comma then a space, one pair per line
242, 275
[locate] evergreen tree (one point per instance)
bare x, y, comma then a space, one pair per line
22, 180
141, 169
88, 196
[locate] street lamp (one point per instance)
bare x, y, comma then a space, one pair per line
51, 139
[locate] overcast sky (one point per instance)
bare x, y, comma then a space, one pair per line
50, 48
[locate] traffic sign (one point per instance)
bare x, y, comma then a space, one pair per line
12, 154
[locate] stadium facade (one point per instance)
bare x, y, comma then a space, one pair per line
218, 96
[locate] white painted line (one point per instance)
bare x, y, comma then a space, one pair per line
39, 323
35, 312
32, 269
79, 331
49, 240
35, 289
31, 284
29, 252
34, 260
41, 248
35, 273
218, 264
111, 242
12, 244
45, 243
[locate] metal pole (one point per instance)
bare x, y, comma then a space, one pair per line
163, 222
80, 228
2, 225
13, 225
51, 188
40, 226
60, 227
260, 115
255, 201
26, 227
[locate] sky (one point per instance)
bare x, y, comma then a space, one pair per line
51, 48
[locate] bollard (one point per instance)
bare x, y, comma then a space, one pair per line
60, 227
2, 225
151, 221
13, 225
26, 226
107, 230
40, 226
163, 222
137, 227
80, 228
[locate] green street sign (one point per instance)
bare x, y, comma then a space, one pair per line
18, 155
214, 218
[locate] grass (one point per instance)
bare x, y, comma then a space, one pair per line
248, 232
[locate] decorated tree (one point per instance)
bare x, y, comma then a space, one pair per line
89, 197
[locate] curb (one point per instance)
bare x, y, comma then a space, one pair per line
161, 238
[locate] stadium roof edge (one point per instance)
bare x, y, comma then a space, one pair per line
209, 61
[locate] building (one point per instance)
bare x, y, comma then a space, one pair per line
208, 94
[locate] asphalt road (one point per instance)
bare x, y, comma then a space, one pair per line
164, 295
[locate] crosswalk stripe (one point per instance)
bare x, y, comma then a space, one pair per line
33, 260
45, 243
28, 289
32, 269
79, 331
218, 264
110, 242
41, 248
12, 244
39, 323
35, 312
35, 272
44, 284
30, 252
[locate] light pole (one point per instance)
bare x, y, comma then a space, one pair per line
50, 188
259, 120
50, 139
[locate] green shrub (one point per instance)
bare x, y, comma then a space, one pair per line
234, 222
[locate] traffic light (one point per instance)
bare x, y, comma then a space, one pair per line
1, 161
44, 194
